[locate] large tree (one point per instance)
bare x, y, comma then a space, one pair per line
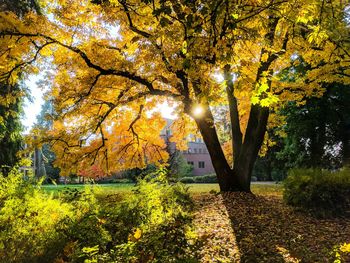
116, 60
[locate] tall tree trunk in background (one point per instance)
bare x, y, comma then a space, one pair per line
269, 168
346, 144
317, 145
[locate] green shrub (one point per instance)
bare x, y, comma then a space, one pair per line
122, 181
28, 218
36, 227
187, 180
207, 179
151, 225
321, 192
115, 181
86, 228
203, 179
253, 179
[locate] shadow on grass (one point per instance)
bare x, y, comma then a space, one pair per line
269, 231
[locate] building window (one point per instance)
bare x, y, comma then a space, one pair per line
199, 150
195, 150
201, 164
190, 163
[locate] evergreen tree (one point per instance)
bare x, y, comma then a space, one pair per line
10, 127
318, 131
11, 103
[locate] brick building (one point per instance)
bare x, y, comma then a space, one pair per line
196, 155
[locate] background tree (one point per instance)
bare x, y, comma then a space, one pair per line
11, 102
10, 127
20, 7
107, 79
316, 135
44, 123
316, 130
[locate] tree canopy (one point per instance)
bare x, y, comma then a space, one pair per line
113, 61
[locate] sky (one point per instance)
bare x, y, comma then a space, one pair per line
32, 109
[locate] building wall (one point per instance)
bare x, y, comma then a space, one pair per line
194, 159
196, 154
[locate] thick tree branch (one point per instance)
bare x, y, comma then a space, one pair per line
131, 25
103, 71
234, 114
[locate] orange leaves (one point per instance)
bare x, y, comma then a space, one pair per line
127, 142
136, 144
93, 172
182, 128
107, 60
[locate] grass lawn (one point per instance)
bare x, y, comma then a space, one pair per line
109, 189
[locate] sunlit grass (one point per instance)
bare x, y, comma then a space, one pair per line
110, 189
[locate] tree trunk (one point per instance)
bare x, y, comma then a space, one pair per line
346, 145
245, 149
223, 171
238, 178
253, 139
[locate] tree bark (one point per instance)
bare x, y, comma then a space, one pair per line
245, 148
223, 171
236, 132
254, 137
238, 178
345, 138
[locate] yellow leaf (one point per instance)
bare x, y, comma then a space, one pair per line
184, 47
138, 233
264, 57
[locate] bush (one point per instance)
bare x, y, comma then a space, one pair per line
151, 225
36, 227
209, 178
27, 220
204, 179
86, 228
321, 192
115, 181
187, 180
